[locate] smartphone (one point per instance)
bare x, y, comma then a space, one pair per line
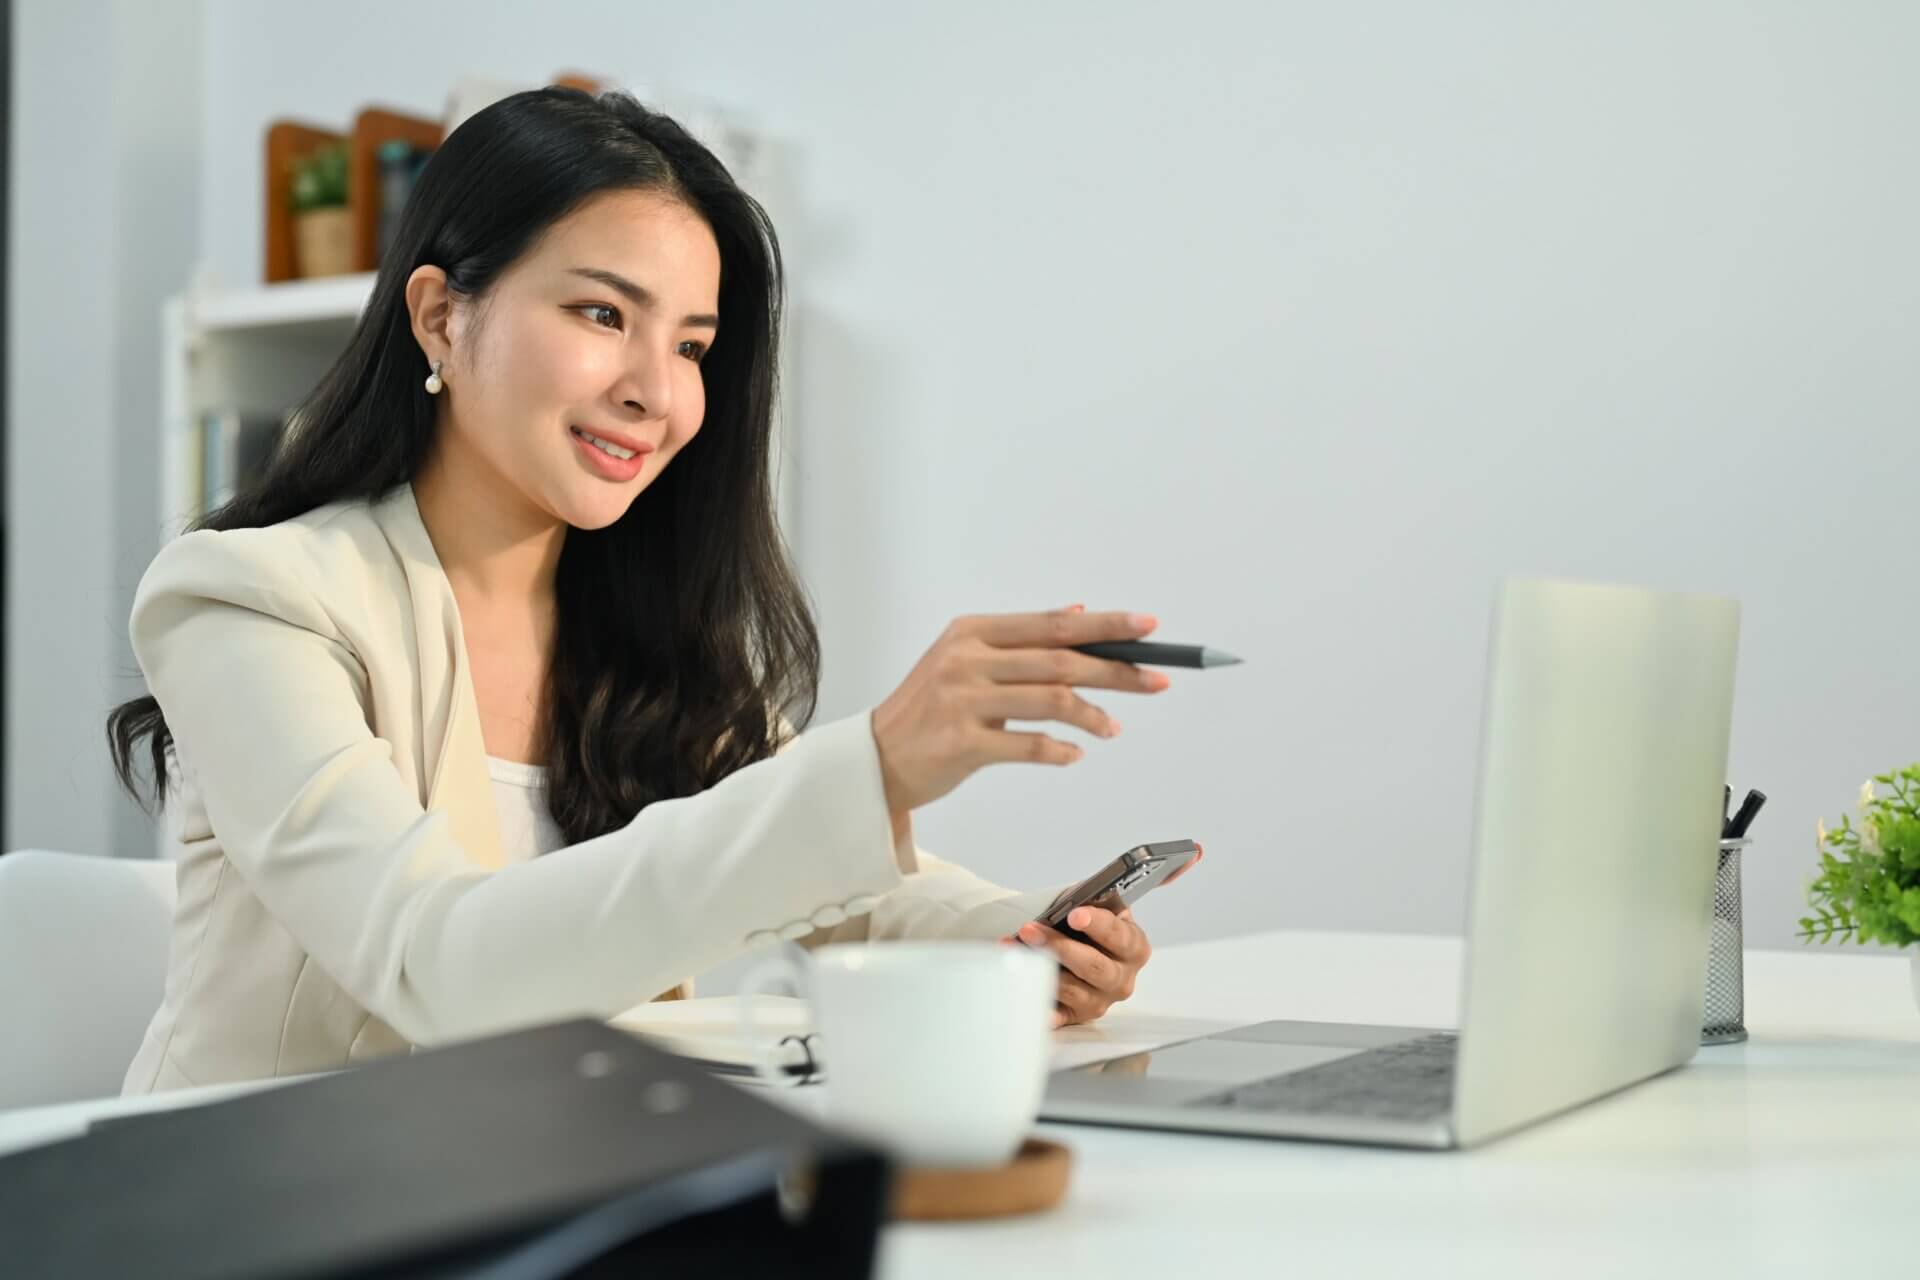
1120, 883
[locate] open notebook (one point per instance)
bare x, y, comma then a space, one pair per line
707, 1029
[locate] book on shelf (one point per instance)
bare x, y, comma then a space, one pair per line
229, 451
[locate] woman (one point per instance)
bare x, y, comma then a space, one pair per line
474, 703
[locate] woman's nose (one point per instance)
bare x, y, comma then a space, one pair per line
647, 391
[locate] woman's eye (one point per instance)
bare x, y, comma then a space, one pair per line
696, 354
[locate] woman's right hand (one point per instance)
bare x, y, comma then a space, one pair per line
948, 718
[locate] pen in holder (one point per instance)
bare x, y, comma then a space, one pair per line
1724, 1018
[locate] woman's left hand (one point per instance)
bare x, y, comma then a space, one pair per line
1092, 978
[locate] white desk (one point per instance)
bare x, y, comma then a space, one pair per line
1796, 1153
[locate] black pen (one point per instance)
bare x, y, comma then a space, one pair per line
1737, 829
1154, 654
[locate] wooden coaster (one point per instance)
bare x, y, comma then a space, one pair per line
1034, 1179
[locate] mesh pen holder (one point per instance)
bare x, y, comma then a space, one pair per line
1724, 1018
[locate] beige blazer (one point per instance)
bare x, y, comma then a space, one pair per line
343, 892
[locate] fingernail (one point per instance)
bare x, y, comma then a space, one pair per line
1078, 919
1142, 621
1076, 608
1155, 680
1030, 932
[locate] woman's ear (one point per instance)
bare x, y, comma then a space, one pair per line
430, 312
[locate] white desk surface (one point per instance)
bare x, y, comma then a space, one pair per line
1797, 1152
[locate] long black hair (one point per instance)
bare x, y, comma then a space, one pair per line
682, 628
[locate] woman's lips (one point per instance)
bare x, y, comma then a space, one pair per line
619, 469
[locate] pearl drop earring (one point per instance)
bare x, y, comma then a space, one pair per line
434, 380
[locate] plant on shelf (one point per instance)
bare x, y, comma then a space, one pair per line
319, 178
323, 227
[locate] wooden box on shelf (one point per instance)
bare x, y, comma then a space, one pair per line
289, 139
373, 128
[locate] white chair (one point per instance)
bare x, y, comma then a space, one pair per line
83, 963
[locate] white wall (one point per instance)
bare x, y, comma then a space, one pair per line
1297, 324
105, 128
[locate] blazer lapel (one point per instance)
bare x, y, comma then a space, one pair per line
454, 763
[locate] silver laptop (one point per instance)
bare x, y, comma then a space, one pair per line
1603, 753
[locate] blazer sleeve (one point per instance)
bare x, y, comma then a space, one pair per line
940, 899
269, 708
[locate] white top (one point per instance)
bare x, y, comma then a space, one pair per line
527, 830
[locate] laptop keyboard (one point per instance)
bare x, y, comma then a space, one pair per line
1406, 1080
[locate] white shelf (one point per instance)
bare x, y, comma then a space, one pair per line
258, 349
329, 300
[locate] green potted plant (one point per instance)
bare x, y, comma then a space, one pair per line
322, 227
1868, 887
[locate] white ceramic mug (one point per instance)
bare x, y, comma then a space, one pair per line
936, 1052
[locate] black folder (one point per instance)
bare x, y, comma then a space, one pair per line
550, 1151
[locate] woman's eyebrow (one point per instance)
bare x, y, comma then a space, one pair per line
641, 296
